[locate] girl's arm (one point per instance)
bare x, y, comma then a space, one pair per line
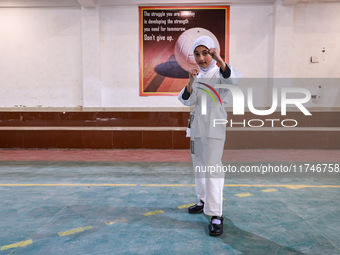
186, 96
215, 54
193, 72
229, 74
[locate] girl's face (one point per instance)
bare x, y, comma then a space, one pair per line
202, 56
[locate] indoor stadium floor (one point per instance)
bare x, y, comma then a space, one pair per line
135, 202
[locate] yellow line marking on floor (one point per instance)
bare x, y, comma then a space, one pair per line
116, 221
269, 190
74, 231
167, 185
184, 206
310, 186
243, 194
65, 184
297, 186
15, 245
153, 213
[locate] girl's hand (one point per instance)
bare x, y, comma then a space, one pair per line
215, 54
193, 72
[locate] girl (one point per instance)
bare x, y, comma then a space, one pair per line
207, 139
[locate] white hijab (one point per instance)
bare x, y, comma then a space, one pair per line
209, 43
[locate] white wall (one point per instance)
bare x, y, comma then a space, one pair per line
40, 59
88, 58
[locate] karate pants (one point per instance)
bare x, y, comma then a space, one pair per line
207, 153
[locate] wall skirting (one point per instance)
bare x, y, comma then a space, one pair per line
161, 130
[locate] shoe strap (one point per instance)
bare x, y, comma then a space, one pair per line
217, 217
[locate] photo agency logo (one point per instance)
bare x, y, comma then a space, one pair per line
204, 97
239, 105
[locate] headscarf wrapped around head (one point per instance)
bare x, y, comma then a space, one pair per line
209, 43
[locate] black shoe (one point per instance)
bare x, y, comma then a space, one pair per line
196, 208
216, 229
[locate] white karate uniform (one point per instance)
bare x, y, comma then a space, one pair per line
207, 141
